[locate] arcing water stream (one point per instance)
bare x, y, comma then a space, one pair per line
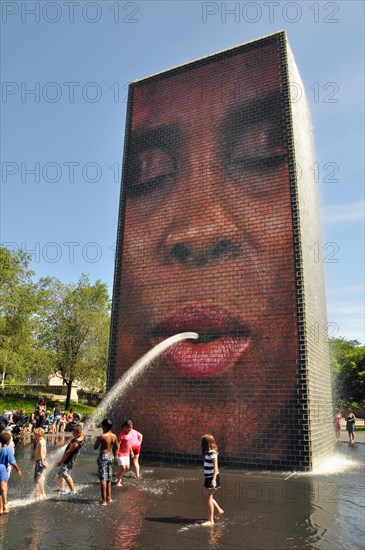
122, 385
129, 377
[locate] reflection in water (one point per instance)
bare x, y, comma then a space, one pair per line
57, 440
119, 389
132, 513
215, 534
165, 509
33, 540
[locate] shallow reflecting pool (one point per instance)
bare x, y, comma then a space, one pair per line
164, 509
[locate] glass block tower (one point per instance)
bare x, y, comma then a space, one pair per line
219, 234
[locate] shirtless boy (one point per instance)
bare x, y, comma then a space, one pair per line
108, 444
40, 461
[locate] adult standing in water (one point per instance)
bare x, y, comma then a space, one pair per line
208, 247
350, 426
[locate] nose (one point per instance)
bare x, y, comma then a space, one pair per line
202, 232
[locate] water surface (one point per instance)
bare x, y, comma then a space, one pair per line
165, 508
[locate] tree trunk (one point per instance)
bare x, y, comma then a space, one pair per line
68, 397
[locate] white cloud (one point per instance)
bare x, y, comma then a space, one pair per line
345, 212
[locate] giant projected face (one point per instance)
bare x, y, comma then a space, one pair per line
208, 247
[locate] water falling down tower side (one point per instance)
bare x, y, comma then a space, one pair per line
219, 234
312, 313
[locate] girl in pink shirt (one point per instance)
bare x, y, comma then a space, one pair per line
136, 448
124, 450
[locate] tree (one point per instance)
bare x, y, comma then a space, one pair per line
19, 303
75, 331
348, 365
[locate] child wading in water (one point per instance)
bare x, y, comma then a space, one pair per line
3, 490
211, 473
40, 461
124, 450
108, 444
68, 459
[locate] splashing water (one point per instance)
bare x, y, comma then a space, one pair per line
335, 464
116, 392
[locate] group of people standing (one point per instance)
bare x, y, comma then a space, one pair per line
119, 449
350, 426
113, 449
116, 449
52, 421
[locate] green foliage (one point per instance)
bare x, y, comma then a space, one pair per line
348, 366
51, 328
75, 331
16, 403
20, 301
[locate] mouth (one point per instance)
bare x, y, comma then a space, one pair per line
223, 339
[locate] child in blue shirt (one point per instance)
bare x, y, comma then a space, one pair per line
3, 490
6, 459
6, 456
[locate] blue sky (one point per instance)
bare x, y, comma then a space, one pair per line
65, 70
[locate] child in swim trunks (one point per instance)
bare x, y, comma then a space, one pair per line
108, 444
40, 461
68, 459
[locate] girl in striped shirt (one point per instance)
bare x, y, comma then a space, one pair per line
211, 474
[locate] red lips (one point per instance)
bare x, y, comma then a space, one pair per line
222, 340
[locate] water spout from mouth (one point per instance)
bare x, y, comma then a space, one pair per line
117, 391
139, 366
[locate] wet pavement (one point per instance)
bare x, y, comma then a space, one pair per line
165, 509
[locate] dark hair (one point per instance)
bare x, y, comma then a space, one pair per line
127, 424
78, 427
208, 444
5, 437
107, 424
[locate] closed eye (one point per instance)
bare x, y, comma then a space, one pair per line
259, 164
151, 169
